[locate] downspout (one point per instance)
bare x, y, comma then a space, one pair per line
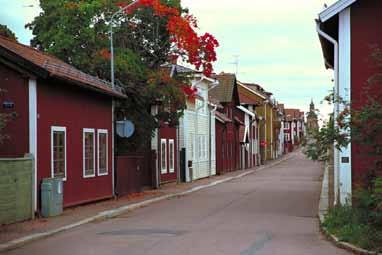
214, 85
196, 139
210, 141
336, 93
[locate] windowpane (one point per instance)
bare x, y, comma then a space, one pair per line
164, 156
102, 153
58, 158
171, 156
89, 169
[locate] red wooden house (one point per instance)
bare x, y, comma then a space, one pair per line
229, 124
64, 118
350, 34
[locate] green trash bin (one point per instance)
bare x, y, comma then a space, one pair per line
52, 191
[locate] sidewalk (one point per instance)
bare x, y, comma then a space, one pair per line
18, 234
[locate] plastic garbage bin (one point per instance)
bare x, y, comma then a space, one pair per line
52, 191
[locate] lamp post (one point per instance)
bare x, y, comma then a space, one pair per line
111, 40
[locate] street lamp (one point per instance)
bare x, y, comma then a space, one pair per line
111, 40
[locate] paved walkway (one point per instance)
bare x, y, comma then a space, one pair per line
270, 212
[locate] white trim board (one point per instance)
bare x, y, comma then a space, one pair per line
245, 110
335, 9
344, 157
32, 87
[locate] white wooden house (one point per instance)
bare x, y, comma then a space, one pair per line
197, 131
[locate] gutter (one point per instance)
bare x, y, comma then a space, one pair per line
336, 77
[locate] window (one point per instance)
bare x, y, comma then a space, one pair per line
206, 147
102, 152
88, 153
192, 146
163, 157
172, 155
213, 148
200, 147
202, 141
58, 152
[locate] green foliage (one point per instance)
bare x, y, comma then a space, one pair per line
77, 31
6, 32
360, 224
320, 141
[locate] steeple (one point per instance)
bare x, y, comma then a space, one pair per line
312, 106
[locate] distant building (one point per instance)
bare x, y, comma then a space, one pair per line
312, 119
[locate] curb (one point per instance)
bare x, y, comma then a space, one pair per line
323, 209
17, 243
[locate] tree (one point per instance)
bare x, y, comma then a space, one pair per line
146, 36
6, 32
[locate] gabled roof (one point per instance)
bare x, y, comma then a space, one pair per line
293, 114
334, 9
44, 65
250, 95
225, 91
178, 68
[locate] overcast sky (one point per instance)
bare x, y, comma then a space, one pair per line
275, 42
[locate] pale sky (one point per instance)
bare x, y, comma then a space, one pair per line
275, 41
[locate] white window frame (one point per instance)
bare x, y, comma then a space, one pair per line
213, 148
88, 130
200, 149
163, 141
171, 142
192, 146
205, 142
102, 131
52, 130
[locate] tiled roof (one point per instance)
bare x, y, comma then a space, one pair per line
257, 88
178, 68
56, 67
292, 114
224, 92
248, 97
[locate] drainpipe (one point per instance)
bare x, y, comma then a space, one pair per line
214, 85
336, 85
210, 140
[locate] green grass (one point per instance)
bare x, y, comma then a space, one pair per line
353, 225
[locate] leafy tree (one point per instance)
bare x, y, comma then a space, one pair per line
6, 32
146, 36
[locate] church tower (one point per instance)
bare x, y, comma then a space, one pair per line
312, 119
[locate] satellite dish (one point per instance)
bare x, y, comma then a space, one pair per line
125, 128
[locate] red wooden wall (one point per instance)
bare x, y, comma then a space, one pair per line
18, 128
166, 132
66, 105
366, 24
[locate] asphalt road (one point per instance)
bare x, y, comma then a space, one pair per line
272, 212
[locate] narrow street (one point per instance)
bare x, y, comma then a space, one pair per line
268, 213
